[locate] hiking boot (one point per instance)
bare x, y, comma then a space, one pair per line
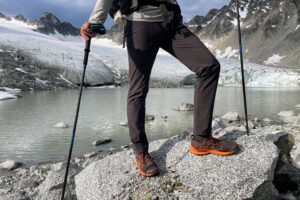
212, 145
146, 165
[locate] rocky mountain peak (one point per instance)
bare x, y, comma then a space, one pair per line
50, 24
21, 18
49, 19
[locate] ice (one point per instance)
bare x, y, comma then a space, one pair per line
107, 59
276, 58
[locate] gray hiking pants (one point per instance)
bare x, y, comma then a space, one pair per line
143, 41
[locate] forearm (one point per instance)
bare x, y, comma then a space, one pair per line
100, 11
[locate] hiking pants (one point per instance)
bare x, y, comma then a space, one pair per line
143, 41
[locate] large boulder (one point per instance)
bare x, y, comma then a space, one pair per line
51, 188
10, 165
231, 116
249, 174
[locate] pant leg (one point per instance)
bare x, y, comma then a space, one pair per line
188, 49
141, 56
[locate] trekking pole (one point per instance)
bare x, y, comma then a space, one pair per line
97, 28
242, 64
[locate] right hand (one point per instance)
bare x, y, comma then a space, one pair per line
86, 33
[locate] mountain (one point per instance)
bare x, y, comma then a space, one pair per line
47, 24
270, 31
50, 24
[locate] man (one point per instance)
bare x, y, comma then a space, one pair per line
153, 24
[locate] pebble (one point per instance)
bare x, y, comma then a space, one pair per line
61, 125
99, 142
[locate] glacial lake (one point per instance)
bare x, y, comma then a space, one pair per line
26, 124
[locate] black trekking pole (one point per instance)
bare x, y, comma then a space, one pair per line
99, 29
242, 64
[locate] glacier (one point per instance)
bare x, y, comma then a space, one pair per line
107, 59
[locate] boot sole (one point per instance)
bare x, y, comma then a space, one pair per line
142, 173
193, 150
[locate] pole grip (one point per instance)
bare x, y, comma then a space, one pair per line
86, 51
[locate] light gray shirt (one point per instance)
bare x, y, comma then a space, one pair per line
146, 13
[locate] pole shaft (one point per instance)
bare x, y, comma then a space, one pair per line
86, 55
242, 64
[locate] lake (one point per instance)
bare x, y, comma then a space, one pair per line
26, 124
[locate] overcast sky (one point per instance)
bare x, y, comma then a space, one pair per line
78, 11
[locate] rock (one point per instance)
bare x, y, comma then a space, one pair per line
21, 18
149, 117
267, 120
231, 116
235, 177
217, 124
51, 188
288, 113
123, 123
164, 116
250, 124
124, 146
6, 96
256, 119
89, 155
292, 120
295, 152
99, 142
61, 125
297, 106
14, 196
10, 165
287, 178
185, 107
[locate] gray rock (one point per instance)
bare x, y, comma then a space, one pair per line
267, 120
10, 165
217, 124
123, 123
231, 178
164, 116
256, 119
231, 116
288, 113
61, 125
185, 107
297, 106
14, 196
89, 155
99, 142
149, 117
51, 188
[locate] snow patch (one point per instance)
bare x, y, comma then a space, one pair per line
21, 70
41, 81
298, 26
276, 58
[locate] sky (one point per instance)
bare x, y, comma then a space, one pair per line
78, 11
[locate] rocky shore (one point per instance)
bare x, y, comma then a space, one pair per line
264, 169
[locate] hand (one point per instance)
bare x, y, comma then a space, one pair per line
86, 33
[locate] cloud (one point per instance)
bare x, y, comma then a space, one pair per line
78, 11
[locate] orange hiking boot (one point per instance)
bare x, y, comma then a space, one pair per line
146, 165
213, 146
